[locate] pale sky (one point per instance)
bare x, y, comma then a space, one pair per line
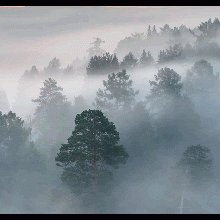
34, 35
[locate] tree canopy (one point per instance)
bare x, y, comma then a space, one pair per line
118, 92
91, 150
101, 65
195, 165
129, 62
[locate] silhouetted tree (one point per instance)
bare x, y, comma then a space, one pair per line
52, 114
90, 153
167, 82
104, 64
13, 137
146, 59
129, 62
96, 50
50, 94
118, 92
174, 53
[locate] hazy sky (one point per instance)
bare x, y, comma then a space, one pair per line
34, 35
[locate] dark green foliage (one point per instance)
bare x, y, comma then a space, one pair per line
146, 59
118, 92
105, 64
13, 137
129, 62
196, 165
91, 150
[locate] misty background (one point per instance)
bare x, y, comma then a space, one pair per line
43, 36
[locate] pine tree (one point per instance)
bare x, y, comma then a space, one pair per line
13, 137
90, 153
96, 50
154, 31
53, 67
101, 65
146, 59
118, 92
149, 32
129, 62
167, 82
50, 95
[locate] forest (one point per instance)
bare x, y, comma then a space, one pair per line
134, 131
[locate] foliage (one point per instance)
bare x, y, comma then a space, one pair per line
91, 150
129, 62
49, 95
118, 92
195, 165
104, 64
96, 50
201, 78
31, 74
13, 137
174, 53
53, 66
167, 82
146, 59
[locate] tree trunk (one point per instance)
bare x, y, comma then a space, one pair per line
94, 172
182, 200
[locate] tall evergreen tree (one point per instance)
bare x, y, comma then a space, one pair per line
118, 92
167, 82
146, 59
154, 31
90, 153
52, 115
50, 94
149, 32
101, 65
13, 137
129, 62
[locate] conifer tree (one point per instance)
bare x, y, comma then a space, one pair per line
92, 150
146, 59
118, 92
129, 62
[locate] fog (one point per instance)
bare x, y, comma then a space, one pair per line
155, 139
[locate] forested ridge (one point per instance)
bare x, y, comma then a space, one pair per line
146, 141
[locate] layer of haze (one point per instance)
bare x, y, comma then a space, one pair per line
35, 35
